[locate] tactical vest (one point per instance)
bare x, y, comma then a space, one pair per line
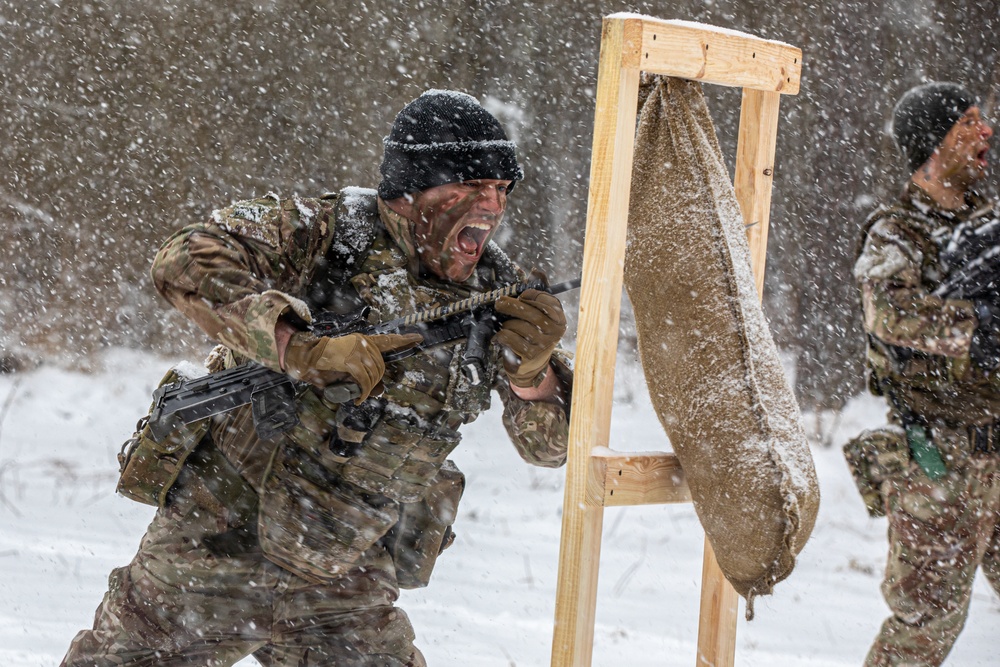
917, 383
339, 480
394, 445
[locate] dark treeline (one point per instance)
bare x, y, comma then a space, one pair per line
124, 120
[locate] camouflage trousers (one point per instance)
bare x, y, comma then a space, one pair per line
940, 532
177, 603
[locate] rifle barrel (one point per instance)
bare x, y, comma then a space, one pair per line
566, 286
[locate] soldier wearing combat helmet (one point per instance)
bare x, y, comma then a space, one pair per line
934, 354
294, 549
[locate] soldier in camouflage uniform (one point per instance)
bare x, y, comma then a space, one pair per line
936, 361
294, 549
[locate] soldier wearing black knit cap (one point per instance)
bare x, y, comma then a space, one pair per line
934, 355
294, 549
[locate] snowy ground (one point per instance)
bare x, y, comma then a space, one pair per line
62, 529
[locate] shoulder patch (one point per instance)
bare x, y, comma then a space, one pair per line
354, 229
881, 262
256, 219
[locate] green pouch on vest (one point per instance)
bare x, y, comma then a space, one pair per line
148, 469
874, 456
925, 452
424, 528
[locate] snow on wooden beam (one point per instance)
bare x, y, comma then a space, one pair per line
707, 53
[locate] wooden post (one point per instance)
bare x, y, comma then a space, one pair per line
630, 43
597, 338
752, 182
717, 616
755, 172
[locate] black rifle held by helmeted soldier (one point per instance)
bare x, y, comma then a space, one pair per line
970, 256
272, 394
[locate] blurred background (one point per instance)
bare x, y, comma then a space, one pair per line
124, 120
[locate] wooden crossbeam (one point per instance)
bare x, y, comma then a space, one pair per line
618, 480
708, 54
711, 55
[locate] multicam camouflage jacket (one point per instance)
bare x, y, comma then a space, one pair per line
918, 343
333, 485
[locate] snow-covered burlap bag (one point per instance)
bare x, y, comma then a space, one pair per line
712, 368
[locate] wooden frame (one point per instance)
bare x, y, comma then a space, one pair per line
631, 43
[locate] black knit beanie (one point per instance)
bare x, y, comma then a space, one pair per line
442, 137
924, 115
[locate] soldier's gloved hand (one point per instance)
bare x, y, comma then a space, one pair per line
537, 323
322, 361
985, 349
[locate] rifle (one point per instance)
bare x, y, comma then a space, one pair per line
971, 258
271, 394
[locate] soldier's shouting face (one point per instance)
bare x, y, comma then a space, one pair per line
453, 223
962, 153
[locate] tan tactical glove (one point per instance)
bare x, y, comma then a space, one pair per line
322, 361
537, 323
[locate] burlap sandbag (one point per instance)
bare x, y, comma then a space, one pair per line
712, 368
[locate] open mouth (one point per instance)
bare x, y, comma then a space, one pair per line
981, 155
473, 237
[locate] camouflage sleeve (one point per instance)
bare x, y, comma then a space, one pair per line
538, 429
235, 277
897, 307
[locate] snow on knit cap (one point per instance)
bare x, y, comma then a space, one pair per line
924, 115
441, 137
